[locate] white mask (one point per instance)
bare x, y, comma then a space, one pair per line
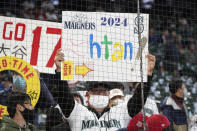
118, 101
98, 101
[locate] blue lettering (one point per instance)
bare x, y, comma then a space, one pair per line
125, 49
92, 45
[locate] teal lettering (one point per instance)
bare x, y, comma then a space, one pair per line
85, 124
106, 124
149, 111
111, 124
101, 123
89, 124
115, 122
96, 123
92, 124
118, 124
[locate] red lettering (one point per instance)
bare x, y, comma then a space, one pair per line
65, 70
35, 45
4, 31
54, 31
25, 70
29, 75
15, 61
69, 70
20, 65
4, 63
1, 111
57, 31
23, 32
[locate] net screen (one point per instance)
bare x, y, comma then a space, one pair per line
98, 65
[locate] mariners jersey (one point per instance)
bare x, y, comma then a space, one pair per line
150, 106
82, 119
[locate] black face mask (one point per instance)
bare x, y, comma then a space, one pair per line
28, 115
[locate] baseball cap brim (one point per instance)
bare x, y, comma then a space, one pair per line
93, 84
115, 92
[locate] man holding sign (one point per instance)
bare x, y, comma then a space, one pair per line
98, 115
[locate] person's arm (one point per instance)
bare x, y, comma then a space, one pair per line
46, 99
134, 104
62, 93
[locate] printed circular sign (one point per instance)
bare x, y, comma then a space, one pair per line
27, 72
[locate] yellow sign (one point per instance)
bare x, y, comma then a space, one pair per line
28, 73
82, 70
3, 111
67, 70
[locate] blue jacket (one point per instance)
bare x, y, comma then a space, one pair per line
3, 95
1, 87
173, 112
46, 99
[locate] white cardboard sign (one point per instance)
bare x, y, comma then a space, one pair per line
101, 46
34, 41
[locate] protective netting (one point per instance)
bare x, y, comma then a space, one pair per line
34, 30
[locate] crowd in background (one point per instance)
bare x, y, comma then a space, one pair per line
172, 36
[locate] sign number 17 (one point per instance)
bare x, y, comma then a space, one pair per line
36, 45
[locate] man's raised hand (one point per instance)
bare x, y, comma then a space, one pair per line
59, 57
151, 63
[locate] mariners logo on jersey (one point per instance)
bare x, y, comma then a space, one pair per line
103, 123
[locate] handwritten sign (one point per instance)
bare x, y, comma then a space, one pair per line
102, 46
27, 72
34, 41
3, 111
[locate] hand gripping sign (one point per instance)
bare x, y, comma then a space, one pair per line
100, 46
27, 72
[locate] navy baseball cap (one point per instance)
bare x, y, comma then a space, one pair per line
95, 84
6, 77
